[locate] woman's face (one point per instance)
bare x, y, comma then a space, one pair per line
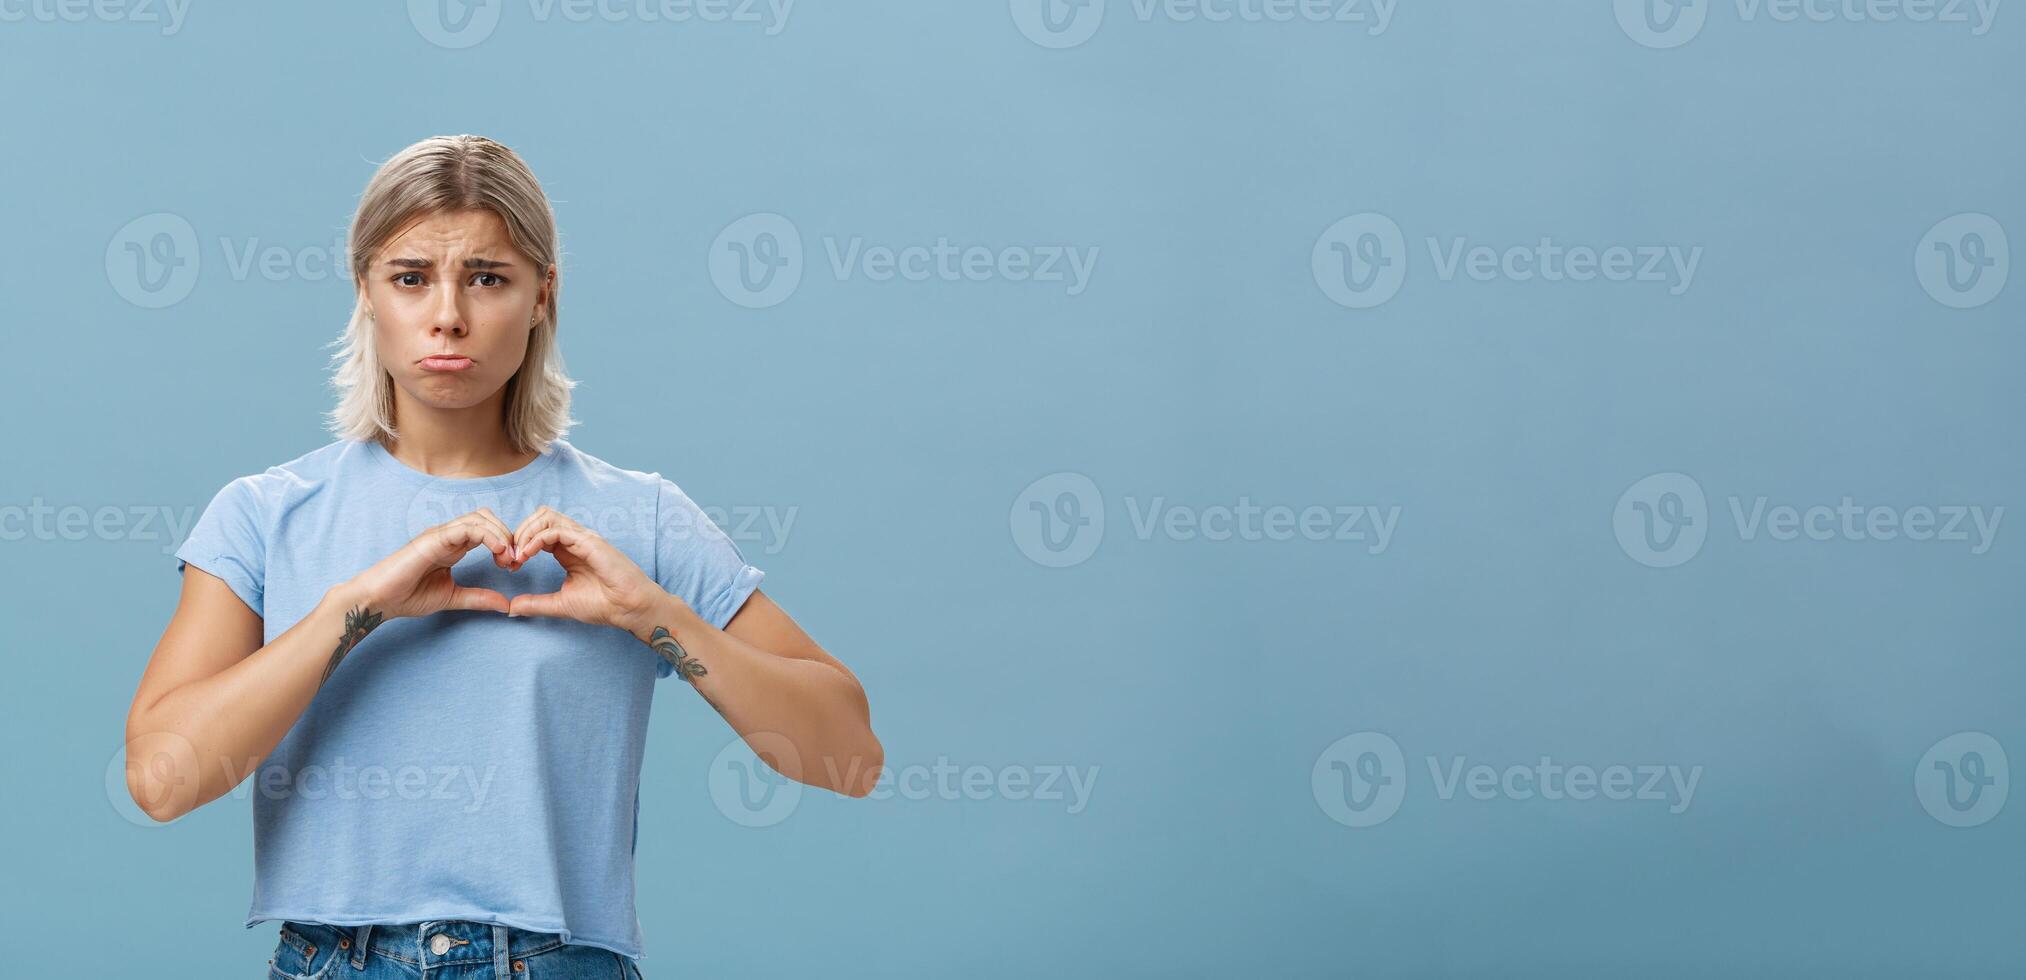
453, 304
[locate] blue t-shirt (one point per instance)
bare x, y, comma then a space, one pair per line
463, 765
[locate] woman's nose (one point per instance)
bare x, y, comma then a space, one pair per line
447, 318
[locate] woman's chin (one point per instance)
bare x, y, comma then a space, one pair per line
450, 392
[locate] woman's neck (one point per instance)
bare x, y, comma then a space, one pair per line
457, 443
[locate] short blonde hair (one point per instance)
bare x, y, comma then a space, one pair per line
444, 174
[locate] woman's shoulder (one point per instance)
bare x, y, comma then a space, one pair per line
309, 469
283, 485
604, 474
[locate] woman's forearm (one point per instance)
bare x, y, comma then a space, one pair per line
819, 710
199, 740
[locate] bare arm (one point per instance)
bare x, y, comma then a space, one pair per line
800, 709
214, 701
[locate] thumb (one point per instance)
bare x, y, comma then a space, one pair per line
544, 604
483, 600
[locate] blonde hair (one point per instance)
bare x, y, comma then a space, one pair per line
444, 174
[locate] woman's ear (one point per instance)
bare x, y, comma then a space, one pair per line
548, 291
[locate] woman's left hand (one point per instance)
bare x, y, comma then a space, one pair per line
601, 585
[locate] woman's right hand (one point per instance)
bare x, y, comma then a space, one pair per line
415, 581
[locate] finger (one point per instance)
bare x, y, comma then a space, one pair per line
453, 540
502, 557
546, 537
558, 539
542, 517
485, 600
528, 521
545, 604
542, 523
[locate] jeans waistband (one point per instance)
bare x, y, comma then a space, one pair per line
439, 942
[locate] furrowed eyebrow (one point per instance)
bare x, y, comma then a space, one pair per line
476, 264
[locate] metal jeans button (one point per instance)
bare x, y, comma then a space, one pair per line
439, 944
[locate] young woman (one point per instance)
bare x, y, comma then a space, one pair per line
448, 740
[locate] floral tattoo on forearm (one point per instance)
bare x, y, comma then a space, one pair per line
358, 622
664, 643
686, 666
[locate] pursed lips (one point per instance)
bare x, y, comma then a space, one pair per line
445, 362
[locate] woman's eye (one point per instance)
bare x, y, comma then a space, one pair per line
404, 279
496, 280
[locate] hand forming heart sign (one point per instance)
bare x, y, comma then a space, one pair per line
601, 585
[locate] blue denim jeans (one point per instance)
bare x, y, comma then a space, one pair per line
441, 950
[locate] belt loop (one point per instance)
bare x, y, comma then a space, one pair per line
361, 937
500, 953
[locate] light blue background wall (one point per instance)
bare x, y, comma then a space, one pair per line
1218, 690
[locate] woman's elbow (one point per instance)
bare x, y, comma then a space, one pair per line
162, 774
852, 774
867, 775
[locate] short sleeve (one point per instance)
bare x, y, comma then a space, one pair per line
697, 562
227, 542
